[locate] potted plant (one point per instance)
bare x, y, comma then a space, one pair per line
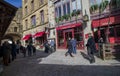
103, 5
56, 20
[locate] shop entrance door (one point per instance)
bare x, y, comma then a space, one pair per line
68, 34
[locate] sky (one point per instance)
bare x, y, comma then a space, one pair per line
17, 3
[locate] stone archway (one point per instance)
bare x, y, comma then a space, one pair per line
12, 36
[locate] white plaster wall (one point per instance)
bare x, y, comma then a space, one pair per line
87, 26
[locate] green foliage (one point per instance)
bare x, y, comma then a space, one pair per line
78, 12
57, 20
101, 7
67, 16
93, 8
61, 18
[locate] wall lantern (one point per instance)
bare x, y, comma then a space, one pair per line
85, 17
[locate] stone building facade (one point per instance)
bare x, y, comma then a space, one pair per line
14, 31
7, 13
35, 21
71, 23
51, 15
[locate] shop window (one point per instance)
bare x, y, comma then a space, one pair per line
60, 38
118, 31
78, 33
79, 37
111, 32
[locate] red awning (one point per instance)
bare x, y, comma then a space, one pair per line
26, 37
39, 34
105, 21
68, 26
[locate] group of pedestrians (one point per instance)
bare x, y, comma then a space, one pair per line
49, 46
71, 45
91, 47
9, 51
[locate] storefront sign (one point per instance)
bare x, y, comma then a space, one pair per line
105, 21
68, 26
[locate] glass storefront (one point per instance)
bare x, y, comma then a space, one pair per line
63, 35
113, 34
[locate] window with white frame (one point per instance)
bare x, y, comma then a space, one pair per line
74, 6
79, 7
68, 7
64, 9
33, 20
42, 16
59, 11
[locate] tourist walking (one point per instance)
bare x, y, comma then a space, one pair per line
13, 50
29, 48
23, 50
52, 44
46, 45
34, 49
91, 48
73, 41
70, 49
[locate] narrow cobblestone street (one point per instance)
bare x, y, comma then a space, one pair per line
56, 64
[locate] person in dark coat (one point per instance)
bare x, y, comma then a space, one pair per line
29, 48
6, 47
46, 45
23, 50
70, 49
13, 51
91, 48
34, 50
73, 45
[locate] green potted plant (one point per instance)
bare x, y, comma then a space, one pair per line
56, 20
103, 5
78, 12
73, 13
61, 18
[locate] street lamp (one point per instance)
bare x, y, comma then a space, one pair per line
85, 17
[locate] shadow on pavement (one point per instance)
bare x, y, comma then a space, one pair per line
84, 55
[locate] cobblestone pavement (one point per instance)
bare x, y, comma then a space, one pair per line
56, 64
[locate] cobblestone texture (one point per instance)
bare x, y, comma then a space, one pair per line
56, 64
